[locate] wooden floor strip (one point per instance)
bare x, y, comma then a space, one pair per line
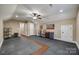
41, 50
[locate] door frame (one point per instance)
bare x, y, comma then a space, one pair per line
72, 34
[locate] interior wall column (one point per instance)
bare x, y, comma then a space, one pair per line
36, 25
1, 32
77, 29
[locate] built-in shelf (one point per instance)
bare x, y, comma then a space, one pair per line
7, 33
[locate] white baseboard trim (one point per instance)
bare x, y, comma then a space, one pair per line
1, 43
77, 44
65, 40
70, 42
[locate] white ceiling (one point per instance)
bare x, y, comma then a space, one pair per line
48, 13
6, 11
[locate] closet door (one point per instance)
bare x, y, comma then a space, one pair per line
31, 29
67, 33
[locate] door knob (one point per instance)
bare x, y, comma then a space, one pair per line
62, 32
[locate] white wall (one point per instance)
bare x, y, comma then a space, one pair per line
77, 29
1, 32
13, 25
22, 28
6, 11
58, 24
36, 28
31, 28
26, 28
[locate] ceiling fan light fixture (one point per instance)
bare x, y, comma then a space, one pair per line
34, 17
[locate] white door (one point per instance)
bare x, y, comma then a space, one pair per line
21, 28
31, 28
67, 33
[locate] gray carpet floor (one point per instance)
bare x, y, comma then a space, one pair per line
57, 47
21, 46
18, 46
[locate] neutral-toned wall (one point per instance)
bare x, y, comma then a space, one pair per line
1, 32
63, 22
29, 29
36, 28
77, 29
7, 10
14, 25
26, 29
20, 27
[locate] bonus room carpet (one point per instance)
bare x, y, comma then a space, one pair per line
57, 47
18, 46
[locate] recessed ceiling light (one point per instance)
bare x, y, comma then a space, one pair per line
60, 10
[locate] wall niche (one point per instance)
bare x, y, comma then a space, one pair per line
50, 26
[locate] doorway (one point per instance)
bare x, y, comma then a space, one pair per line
67, 33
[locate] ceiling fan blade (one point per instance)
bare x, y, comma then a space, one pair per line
38, 15
39, 18
34, 14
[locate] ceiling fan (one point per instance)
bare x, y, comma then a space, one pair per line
36, 16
